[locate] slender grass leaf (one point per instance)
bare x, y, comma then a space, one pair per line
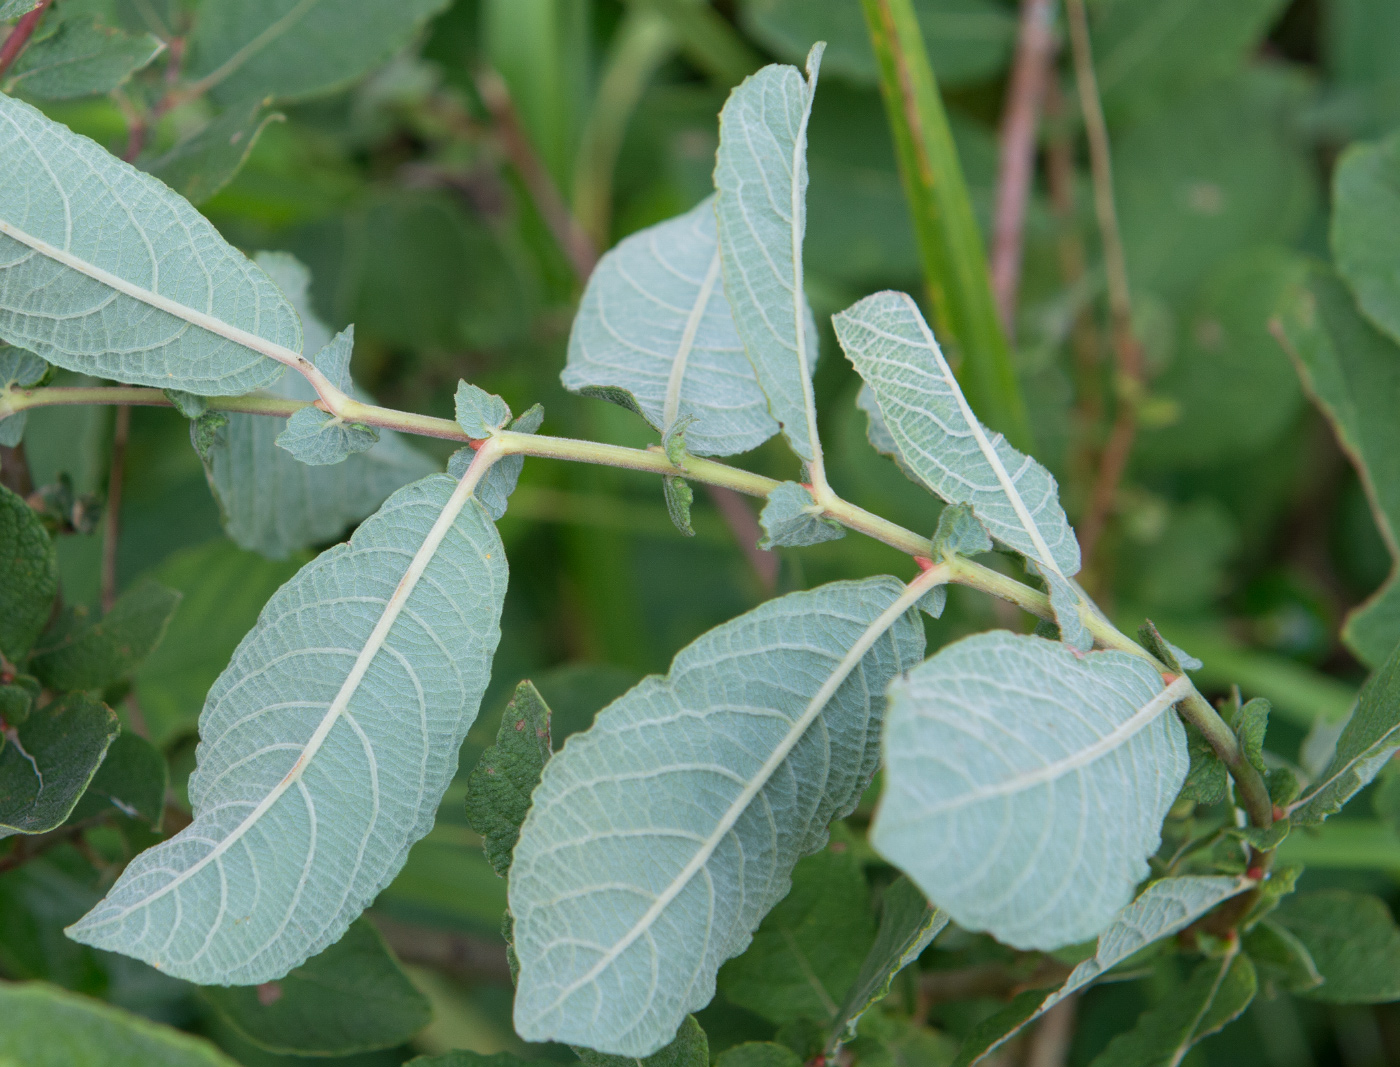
1162, 909
297, 48
1352, 372
353, 997
926, 417
104, 270
200, 165
660, 838
22, 369
1217, 992
223, 590
326, 747
1026, 785
809, 949
498, 791
50, 1027
47, 762
30, 565
1352, 940
790, 517
79, 652
908, 925
82, 58
276, 505
1366, 227
131, 782
654, 333
761, 175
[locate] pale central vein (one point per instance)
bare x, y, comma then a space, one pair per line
692, 327
911, 593
201, 319
460, 495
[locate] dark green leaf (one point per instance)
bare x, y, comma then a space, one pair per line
1352, 939
82, 653
353, 997
792, 518
498, 791
297, 48
1366, 229
759, 1054
47, 763
1352, 372
200, 165
83, 58
49, 1027
809, 950
479, 413
689, 1049
466, 1058
131, 781
1208, 779
908, 925
1177, 659
1280, 957
223, 590
30, 566
1215, 994
1251, 723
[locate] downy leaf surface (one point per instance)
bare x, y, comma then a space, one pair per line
926, 417
104, 270
1026, 785
1162, 909
659, 839
498, 791
791, 517
325, 748
654, 333
318, 438
50, 1027
47, 762
271, 502
22, 369
291, 49
353, 997
761, 175
80, 652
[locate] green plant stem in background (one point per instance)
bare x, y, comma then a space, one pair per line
955, 265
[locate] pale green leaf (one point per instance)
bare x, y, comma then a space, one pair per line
271, 502
809, 949
495, 488
967, 40
479, 413
660, 838
47, 762
908, 925
104, 270
318, 438
81, 652
960, 533
22, 369
790, 517
498, 791
200, 165
1162, 909
1353, 941
1214, 996
926, 417
50, 1027
761, 175
654, 333
1025, 785
82, 58
31, 575
1366, 229
13, 9
295, 48
353, 997
325, 748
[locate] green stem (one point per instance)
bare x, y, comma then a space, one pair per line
950, 244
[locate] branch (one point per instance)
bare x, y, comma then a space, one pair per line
1016, 164
1126, 349
19, 36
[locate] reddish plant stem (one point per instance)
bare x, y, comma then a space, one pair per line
111, 519
1127, 351
739, 517
1035, 48
19, 37
552, 208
